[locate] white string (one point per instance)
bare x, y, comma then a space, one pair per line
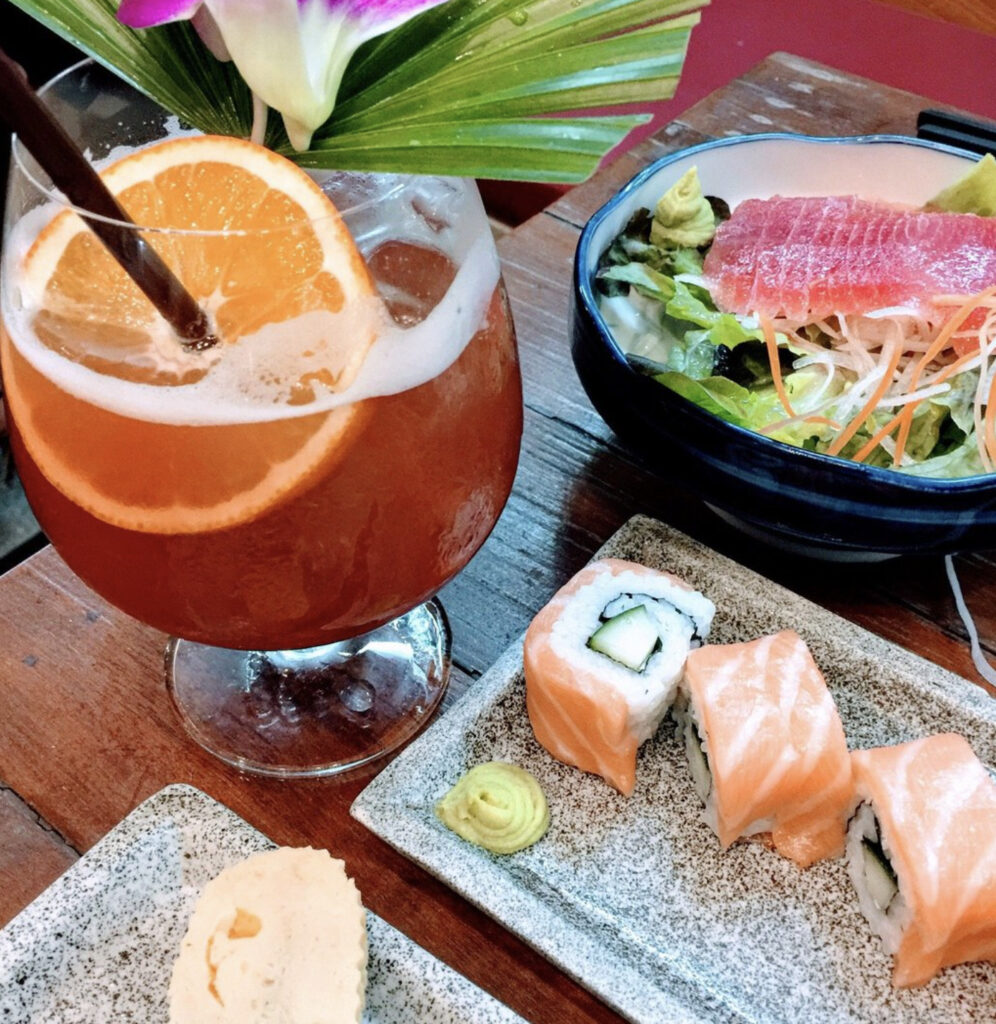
979, 659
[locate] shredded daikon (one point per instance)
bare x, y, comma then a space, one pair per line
891, 401
895, 359
982, 664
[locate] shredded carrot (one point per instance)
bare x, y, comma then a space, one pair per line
855, 424
990, 432
866, 449
952, 368
949, 371
905, 424
957, 318
776, 370
822, 419
961, 314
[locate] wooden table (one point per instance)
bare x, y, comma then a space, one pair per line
87, 731
975, 14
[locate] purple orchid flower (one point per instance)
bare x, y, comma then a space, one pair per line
291, 53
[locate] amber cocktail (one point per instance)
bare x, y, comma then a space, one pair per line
278, 500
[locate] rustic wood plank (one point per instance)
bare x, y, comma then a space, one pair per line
979, 15
789, 93
32, 855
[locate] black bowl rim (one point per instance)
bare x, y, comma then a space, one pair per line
584, 293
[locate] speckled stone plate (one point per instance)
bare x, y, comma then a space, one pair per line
633, 897
98, 945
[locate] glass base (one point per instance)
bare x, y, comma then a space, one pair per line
315, 712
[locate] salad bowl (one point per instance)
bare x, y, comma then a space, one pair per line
801, 500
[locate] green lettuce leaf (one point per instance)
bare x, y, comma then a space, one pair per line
961, 461
692, 354
717, 395
975, 192
695, 305
642, 276
960, 399
925, 430
686, 261
752, 408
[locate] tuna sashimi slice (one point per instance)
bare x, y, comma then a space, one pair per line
806, 258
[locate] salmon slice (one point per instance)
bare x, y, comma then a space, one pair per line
586, 709
936, 808
806, 258
774, 744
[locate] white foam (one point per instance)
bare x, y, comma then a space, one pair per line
253, 380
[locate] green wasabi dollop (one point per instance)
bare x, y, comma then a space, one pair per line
683, 216
497, 805
975, 192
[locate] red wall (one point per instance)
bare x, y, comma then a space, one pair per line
950, 64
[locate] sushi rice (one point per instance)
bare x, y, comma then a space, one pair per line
682, 618
888, 922
695, 739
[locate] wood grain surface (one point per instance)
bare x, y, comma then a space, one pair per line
86, 728
979, 15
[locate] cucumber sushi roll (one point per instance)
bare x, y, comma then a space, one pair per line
602, 663
921, 852
765, 746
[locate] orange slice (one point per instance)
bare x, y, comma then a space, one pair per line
279, 251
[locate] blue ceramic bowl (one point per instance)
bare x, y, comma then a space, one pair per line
812, 503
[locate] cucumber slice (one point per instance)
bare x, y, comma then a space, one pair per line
698, 763
880, 879
630, 638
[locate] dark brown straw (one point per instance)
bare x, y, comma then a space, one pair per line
69, 170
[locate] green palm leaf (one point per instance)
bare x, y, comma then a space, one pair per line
484, 89
602, 72
517, 150
170, 64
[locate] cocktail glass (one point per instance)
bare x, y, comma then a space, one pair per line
288, 523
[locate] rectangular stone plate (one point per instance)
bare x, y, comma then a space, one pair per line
633, 897
99, 944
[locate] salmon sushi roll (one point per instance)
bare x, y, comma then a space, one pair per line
921, 852
602, 662
766, 747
